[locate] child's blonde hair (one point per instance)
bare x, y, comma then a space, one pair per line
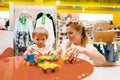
41, 31
77, 25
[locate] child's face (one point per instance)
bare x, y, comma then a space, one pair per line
40, 40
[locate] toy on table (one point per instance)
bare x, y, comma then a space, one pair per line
29, 59
72, 58
48, 67
46, 62
42, 62
51, 57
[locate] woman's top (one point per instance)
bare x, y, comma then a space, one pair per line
81, 56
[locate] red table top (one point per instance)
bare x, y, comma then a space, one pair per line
12, 69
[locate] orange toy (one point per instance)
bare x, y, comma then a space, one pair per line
13, 69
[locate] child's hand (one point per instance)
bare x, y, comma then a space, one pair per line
30, 50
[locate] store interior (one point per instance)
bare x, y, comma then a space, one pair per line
100, 18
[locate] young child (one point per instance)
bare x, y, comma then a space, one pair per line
40, 36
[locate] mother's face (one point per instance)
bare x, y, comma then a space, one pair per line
73, 35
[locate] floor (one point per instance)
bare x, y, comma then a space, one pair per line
105, 73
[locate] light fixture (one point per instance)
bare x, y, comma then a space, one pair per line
57, 2
1, 0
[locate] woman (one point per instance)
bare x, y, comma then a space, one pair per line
77, 43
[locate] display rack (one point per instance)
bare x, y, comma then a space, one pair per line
33, 13
106, 34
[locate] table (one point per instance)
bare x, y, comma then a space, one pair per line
11, 68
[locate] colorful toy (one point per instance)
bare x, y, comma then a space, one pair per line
42, 62
46, 66
70, 58
29, 60
51, 57
45, 62
49, 67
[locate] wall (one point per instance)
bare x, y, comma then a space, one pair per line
116, 13
84, 3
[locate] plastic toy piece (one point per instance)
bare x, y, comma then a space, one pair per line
44, 58
29, 60
46, 66
49, 67
70, 58
60, 61
30, 57
28, 63
51, 57
48, 71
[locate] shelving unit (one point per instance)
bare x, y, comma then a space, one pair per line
61, 33
118, 36
105, 35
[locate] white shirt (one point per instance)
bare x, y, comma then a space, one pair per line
37, 50
81, 56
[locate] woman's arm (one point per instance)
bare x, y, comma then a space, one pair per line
92, 53
95, 55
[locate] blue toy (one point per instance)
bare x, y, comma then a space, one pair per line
30, 58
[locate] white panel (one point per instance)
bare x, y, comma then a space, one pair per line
6, 40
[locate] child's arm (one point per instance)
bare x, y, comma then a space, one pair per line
28, 51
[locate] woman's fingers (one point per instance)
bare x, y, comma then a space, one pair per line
74, 51
68, 51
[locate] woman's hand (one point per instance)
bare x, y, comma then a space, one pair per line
94, 54
75, 50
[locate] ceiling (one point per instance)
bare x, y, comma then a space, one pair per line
86, 1
83, 2
68, 1
89, 3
